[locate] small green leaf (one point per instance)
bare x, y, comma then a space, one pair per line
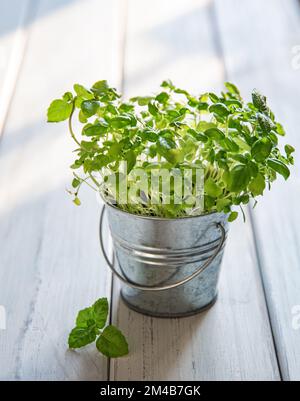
77, 202
259, 101
211, 188
233, 216
232, 88
222, 204
220, 109
289, 150
130, 157
152, 108
100, 87
59, 110
81, 336
99, 128
90, 107
239, 178
257, 185
261, 149
215, 133
75, 183
100, 312
82, 92
280, 130
112, 343
230, 145
279, 167
265, 123
120, 121
84, 317
141, 100
163, 97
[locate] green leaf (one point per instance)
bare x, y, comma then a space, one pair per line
261, 149
279, 167
59, 110
75, 183
163, 97
81, 336
257, 185
76, 201
232, 88
99, 128
81, 91
239, 178
220, 109
142, 100
167, 84
259, 101
85, 317
280, 130
100, 312
230, 145
215, 133
90, 107
222, 203
265, 123
130, 157
112, 343
233, 216
121, 121
197, 135
211, 188
152, 108
100, 87
289, 150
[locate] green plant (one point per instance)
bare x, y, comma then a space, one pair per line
89, 323
233, 142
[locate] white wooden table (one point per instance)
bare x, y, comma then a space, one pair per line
50, 262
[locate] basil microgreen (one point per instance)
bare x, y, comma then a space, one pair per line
236, 143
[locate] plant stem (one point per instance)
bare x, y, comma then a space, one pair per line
70, 126
94, 180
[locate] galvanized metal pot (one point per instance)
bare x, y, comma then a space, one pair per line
169, 267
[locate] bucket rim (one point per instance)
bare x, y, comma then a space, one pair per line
156, 218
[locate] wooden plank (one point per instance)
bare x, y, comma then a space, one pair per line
13, 35
233, 340
50, 257
258, 48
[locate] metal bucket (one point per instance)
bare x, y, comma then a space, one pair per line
170, 267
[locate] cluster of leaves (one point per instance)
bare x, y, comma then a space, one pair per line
235, 143
110, 342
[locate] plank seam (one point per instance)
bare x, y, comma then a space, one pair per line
220, 50
261, 274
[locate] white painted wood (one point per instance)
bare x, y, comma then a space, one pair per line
231, 341
15, 16
259, 47
50, 258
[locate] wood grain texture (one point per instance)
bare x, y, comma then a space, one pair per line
15, 15
259, 50
233, 340
50, 258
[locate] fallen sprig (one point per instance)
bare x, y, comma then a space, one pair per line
89, 324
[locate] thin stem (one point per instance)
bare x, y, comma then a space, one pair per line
70, 126
94, 180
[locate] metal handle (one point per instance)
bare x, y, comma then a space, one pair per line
165, 287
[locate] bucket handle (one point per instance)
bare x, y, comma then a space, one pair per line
168, 286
